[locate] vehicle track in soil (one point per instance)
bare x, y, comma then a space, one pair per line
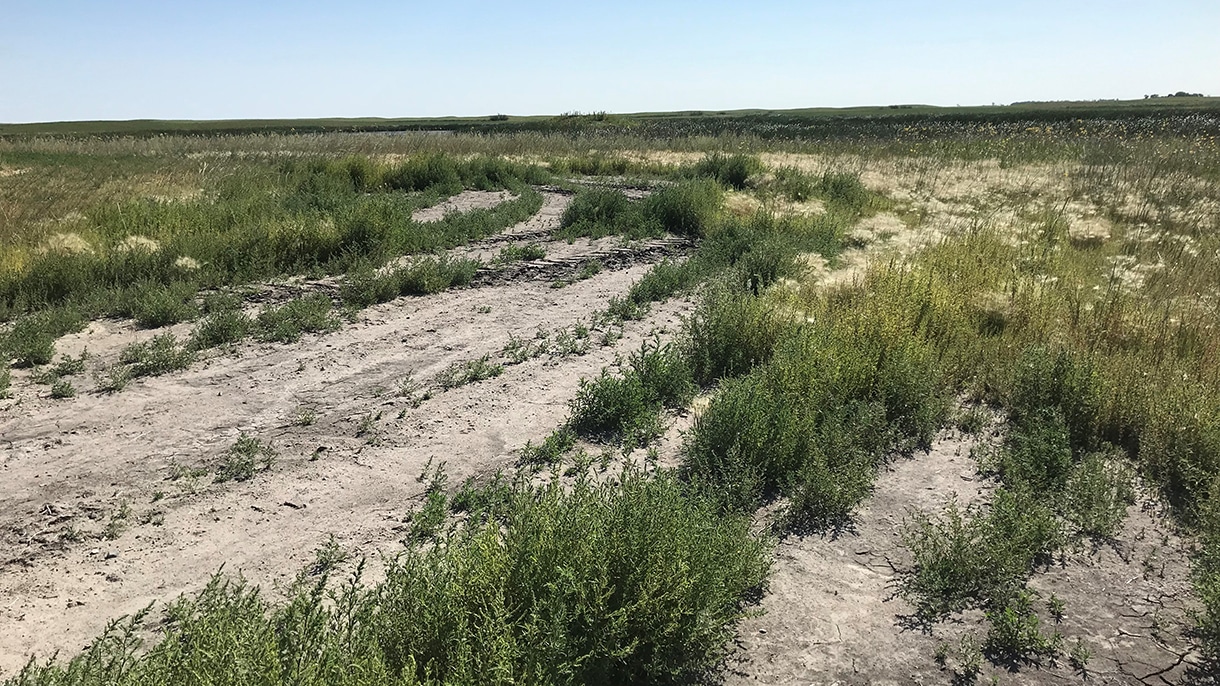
71, 467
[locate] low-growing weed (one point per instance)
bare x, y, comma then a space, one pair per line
550, 451
304, 416
160, 355
31, 339
286, 324
155, 305
221, 326
976, 558
467, 372
1080, 655
1097, 494
245, 458
520, 253
627, 407
328, 556
62, 388
1015, 636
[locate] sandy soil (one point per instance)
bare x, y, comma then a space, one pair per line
832, 616
74, 466
462, 202
109, 504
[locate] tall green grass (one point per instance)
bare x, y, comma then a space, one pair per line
321, 217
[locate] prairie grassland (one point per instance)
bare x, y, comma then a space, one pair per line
1066, 279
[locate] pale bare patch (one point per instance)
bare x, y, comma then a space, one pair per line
462, 202
139, 244
669, 157
187, 264
1089, 231
66, 244
6, 172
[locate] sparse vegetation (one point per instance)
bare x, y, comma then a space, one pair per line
467, 372
1071, 316
245, 458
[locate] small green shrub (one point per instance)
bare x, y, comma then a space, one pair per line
154, 305
976, 558
731, 332
160, 355
245, 458
1097, 495
486, 501
220, 327
1015, 634
731, 170
628, 407
6, 381
287, 323
596, 212
62, 389
520, 253
550, 451
31, 340
688, 208
615, 408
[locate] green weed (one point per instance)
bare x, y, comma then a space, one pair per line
245, 458
467, 372
160, 355
288, 322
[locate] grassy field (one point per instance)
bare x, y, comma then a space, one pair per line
1051, 269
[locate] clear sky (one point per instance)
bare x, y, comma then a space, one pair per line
223, 59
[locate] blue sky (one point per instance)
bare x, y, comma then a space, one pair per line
119, 59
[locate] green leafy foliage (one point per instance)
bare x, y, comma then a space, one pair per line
288, 322
625, 582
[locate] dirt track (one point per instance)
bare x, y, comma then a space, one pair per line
71, 467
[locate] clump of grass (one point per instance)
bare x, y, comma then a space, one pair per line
627, 407
62, 389
733, 171
520, 253
288, 322
468, 372
6, 381
223, 323
160, 355
245, 458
